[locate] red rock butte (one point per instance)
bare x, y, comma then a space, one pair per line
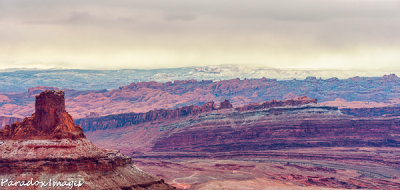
50, 120
49, 146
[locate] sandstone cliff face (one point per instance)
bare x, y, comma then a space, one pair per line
276, 103
50, 120
72, 160
128, 119
280, 130
49, 146
122, 120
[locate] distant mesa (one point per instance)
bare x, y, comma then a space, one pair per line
209, 106
311, 78
225, 105
276, 103
390, 77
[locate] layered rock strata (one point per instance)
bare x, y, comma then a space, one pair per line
251, 130
276, 103
128, 119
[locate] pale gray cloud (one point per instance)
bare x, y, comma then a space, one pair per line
306, 10
266, 32
180, 16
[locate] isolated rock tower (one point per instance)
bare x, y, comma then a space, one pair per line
49, 121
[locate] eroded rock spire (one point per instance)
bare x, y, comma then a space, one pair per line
50, 120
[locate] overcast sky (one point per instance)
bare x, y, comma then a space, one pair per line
113, 34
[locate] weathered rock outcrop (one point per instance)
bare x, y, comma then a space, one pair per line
276, 103
128, 119
70, 161
48, 147
4, 120
226, 104
49, 121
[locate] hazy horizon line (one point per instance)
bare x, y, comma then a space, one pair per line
206, 66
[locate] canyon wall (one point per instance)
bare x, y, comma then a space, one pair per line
231, 130
281, 132
129, 119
